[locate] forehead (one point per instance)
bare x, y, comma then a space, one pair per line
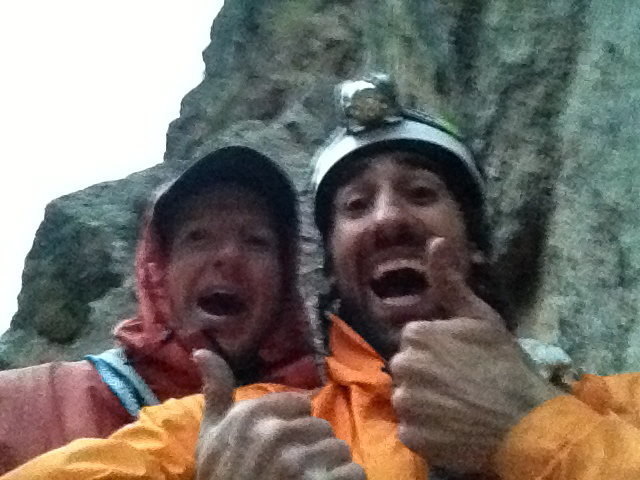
224, 202
389, 166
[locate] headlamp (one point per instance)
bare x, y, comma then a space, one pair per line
365, 104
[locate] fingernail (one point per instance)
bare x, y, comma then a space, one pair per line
435, 240
196, 353
432, 242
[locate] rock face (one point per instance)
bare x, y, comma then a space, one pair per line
548, 93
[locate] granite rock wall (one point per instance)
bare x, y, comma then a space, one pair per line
547, 92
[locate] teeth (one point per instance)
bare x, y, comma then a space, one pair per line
399, 282
397, 264
403, 301
218, 290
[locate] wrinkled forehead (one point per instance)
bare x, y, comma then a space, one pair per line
388, 165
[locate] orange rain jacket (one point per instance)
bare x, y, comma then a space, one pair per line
47, 406
594, 434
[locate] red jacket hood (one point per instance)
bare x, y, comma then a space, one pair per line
162, 355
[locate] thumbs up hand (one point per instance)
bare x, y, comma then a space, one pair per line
460, 383
269, 438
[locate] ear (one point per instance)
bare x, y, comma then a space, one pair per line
478, 257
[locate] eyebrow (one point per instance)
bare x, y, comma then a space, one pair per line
416, 164
426, 174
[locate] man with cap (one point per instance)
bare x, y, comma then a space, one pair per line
421, 372
216, 268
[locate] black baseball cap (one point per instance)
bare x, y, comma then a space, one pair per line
233, 164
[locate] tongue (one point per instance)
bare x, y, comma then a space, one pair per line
399, 283
221, 304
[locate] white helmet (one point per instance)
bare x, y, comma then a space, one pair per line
372, 119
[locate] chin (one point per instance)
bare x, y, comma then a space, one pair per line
231, 349
238, 346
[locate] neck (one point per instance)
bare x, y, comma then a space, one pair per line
246, 369
370, 330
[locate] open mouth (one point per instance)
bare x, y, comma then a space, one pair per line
221, 304
399, 283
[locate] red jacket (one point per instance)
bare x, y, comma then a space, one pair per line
46, 406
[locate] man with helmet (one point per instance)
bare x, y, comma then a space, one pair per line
399, 204
421, 371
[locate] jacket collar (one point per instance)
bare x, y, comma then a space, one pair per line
352, 359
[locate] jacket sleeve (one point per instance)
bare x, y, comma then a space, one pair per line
159, 446
593, 434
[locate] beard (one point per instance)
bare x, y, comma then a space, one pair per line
382, 336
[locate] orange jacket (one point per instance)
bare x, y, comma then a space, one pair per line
592, 435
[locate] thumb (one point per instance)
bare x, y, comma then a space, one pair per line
218, 384
451, 287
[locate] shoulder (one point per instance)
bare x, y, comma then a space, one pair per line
187, 411
187, 408
617, 393
57, 378
192, 406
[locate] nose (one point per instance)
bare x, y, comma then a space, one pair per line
226, 254
394, 223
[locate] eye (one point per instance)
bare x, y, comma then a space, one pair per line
355, 205
196, 235
422, 194
260, 241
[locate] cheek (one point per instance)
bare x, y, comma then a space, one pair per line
344, 256
267, 277
451, 226
447, 221
181, 272
173, 282
344, 242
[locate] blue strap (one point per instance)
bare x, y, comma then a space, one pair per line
123, 380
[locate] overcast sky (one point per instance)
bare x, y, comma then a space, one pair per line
87, 91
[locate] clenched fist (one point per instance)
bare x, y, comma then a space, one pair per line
461, 383
270, 438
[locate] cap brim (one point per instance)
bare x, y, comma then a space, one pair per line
238, 164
